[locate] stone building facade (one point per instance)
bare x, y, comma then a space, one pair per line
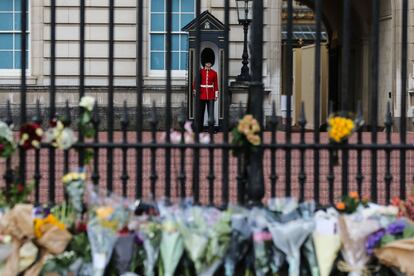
67, 51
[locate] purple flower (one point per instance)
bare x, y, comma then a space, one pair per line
373, 240
396, 227
138, 239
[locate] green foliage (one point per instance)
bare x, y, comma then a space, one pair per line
85, 124
18, 193
80, 245
386, 239
408, 231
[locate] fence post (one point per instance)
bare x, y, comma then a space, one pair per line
255, 105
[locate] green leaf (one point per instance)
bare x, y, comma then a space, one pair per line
85, 118
408, 231
88, 156
387, 239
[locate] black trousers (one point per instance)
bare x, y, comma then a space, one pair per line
210, 107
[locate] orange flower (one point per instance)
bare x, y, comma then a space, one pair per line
354, 195
395, 201
340, 206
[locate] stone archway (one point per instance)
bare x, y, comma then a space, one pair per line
360, 64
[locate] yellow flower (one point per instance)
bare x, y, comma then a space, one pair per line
39, 132
59, 125
169, 227
41, 226
104, 212
254, 139
340, 128
248, 118
256, 127
35, 144
24, 138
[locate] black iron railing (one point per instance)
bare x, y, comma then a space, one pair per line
251, 179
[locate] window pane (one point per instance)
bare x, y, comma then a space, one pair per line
157, 22
184, 42
186, 18
6, 21
157, 61
17, 21
175, 61
187, 5
6, 42
18, 6
6, 60
17, 59
157, 5
18, 41
6, 5
176, 6
175, 42
176, 23
184, 58
157, 42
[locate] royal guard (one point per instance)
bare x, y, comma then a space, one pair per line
208, 86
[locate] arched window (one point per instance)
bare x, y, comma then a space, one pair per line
183, 11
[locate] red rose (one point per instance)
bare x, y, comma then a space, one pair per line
1, 148
123, 231
53, 123
20, 188
81, 227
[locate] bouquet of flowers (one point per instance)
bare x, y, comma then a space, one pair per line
326, 240
18, 224
87, 104
263, 249
30, 136
171, 247
51, 238
150, 234
7, 144
393, 245
107, 217
350, 203
240, 236
405, 208
246, 134
59, 136
289, 237
340, 128
354, 229
75, 188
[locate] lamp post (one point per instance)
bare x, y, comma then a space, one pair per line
244, 14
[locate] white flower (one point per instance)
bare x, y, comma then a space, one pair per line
87, 102
6, 132
175, 137
204, 138
66, 139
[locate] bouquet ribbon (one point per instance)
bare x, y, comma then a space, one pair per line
18, 223
361, 269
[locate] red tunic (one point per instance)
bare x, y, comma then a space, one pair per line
208, 84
